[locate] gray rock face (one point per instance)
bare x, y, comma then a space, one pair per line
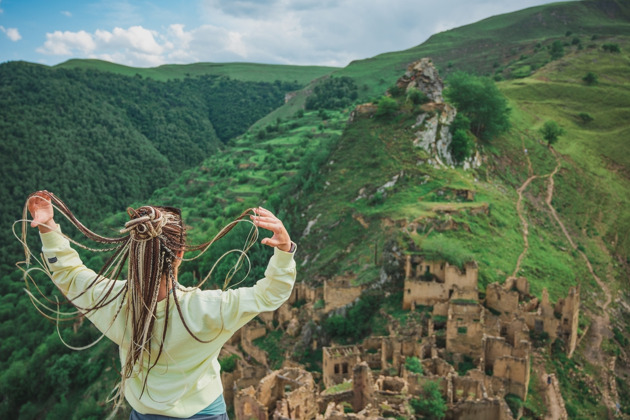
433, 126
423, 75
435, 137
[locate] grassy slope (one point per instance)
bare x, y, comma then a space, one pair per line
498, 42
249, 72
499, 39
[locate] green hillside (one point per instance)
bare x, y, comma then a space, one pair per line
318, 170
102, 139
246, 72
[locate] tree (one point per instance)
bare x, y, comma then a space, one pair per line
551, 131
479, 99
557, 50
431, 405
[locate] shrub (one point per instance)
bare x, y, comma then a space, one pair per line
515, 403
395, 91
412, 364
557, 50
590, 78
461, 145
228, 363
430, 405
417, 97
613, 48
387, 107
586, 118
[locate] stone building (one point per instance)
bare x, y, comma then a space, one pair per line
465, 328
284, 394
340, 292
430, 282
512, 299
338, 363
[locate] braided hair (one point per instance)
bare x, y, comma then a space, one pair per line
152, 244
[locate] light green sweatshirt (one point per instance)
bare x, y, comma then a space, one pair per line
187, 376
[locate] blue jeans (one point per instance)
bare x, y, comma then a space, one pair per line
137, 416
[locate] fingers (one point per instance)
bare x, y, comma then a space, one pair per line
265, 219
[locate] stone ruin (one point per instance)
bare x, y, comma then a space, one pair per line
491, 336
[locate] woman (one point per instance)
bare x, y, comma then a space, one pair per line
169, 336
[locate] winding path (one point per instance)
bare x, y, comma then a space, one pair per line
600, 324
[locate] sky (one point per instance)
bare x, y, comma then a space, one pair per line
149, 33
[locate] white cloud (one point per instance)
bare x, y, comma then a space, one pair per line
135, 46
12, 33
67, 43
324, 32
66, 13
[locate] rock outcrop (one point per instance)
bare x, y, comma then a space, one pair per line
433, 125
423, 75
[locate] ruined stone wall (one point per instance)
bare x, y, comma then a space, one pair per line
515, 373
464, 329
466, 279
269, 390
466, 388
252, 331
569, 310
299, 404
501, 300
362, 386
416, 267
338, 362
459, 293
485, 409
440, 309
515, 331
339, 293
437, 366
493, 349
520, 284
247, 407
539, 323
324, 399
301, 291
418, 292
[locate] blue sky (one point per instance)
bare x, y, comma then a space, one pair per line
148, 33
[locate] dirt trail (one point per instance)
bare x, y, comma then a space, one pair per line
600, 324
556, 409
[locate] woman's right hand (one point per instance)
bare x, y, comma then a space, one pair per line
42, 212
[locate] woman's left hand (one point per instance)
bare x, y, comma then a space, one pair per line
266, 220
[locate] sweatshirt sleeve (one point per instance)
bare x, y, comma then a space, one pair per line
73, 280
239, 306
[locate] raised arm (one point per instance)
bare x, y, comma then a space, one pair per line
269, 293
69, 274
